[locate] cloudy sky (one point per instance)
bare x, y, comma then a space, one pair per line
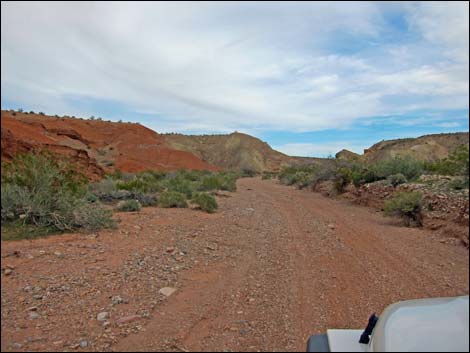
308, 78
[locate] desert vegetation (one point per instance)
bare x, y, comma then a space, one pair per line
48, 195
408, 206
391, 172
43, 194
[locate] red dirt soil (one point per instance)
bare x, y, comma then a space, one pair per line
98, 146
272, 266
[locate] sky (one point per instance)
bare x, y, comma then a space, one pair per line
308, 78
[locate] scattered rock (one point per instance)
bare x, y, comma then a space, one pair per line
212, 247
33, 308
37, 296
331, 226
103, 316
7, 272
58, 254
34, 315
128, 319
167, 291
170, 249
83, 343
117, 300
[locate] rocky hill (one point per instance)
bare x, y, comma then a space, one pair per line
104, 146
98, 146
235, 151
424, 148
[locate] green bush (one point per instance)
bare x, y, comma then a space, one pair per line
407, 166
300, 175
407, 205
147, 199
342, 178
457, 163
205, 201
46, 191
93, 217
180, 185
459, 184
210, 183
129, 206
172, 199
396, 179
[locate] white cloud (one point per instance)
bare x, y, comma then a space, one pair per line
227, 66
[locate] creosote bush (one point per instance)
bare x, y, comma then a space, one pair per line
129, 206
407, 205
49, 192
396, 179
173, 199
205, 201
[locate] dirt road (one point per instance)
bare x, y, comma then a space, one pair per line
271, 267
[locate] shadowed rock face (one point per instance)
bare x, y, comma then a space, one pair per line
98, 146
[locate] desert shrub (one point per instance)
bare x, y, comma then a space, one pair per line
407, 205
172, 199
287, 178
228, 181
396, 179
248, 172
363, 175
407, 166
140, 184
180, 185
93, 217
205, 201
302, 179
459, 184
103, 187
325, 173
15, 200
91, 197
300, 175
342, 177
48, 192
457, 163
129, 206
147, 199
209, 183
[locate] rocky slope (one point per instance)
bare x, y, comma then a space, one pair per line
98, 146
427, 147
235, 151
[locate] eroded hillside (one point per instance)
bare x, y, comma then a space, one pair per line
236, 150
98, 146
